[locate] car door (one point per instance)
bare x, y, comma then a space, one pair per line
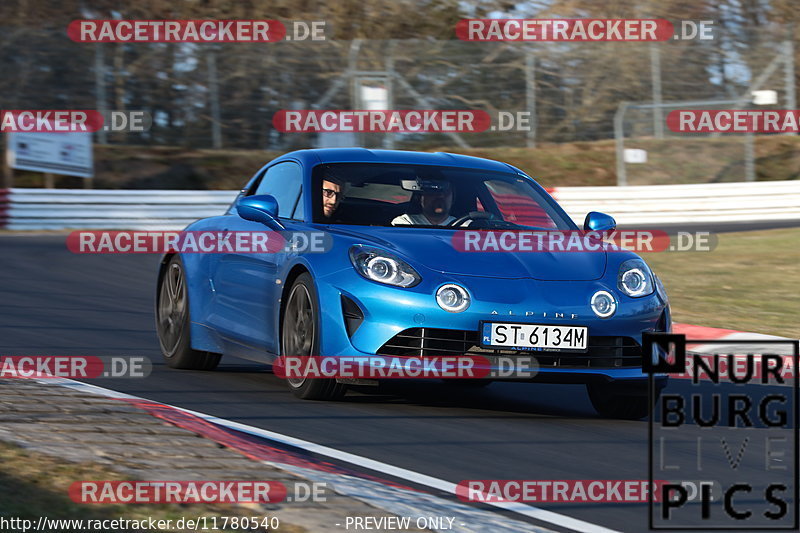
245, 289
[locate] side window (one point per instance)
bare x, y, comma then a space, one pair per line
284, 181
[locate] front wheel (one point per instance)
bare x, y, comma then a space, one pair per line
173, 324
621, 401
300, 336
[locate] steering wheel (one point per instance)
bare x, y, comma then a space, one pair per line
473, 215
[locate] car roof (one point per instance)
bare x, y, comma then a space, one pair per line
365, 155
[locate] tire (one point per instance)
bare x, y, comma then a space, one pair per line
173, 322
300, 336
624, 402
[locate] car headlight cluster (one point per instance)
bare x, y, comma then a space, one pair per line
603, 304
635, 278
453, 298
382, 266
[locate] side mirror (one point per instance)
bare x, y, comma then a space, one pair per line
595, 221
260, 208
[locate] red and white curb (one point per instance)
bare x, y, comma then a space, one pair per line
731, 336
739, 344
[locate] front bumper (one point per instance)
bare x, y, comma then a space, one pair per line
389, 312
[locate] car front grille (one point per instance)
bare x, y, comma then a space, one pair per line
603, 351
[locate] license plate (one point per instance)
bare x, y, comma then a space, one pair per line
534, 336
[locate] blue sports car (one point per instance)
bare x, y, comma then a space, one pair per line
394, 279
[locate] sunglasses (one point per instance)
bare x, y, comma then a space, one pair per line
330, 193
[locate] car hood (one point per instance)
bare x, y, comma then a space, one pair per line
433, 248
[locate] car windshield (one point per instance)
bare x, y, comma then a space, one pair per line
383, 194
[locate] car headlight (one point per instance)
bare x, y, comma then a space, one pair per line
382, 266
603, 304
453, 298
635, 278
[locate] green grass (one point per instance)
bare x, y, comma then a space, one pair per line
749, 282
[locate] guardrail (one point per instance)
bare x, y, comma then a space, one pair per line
53, 209
685, 204
50, 209
4, 203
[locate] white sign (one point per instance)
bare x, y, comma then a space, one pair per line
635, 155
373, 98
68, 154
766, 97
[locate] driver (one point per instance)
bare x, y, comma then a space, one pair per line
436, 199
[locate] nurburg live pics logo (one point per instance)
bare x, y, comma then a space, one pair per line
733, 423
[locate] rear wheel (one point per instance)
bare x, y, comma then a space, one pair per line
173, 322
300, 336
627, 402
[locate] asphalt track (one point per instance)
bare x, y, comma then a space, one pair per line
53, 302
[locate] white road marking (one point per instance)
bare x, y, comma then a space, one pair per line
530, 511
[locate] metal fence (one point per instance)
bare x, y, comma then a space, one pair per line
664, 156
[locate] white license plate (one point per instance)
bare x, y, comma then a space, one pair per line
534, 336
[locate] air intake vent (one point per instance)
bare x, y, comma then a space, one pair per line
353, 315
